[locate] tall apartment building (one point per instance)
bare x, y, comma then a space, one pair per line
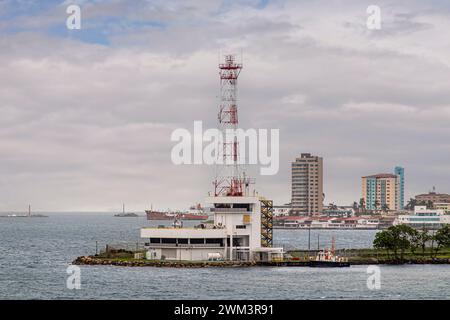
384, 190
400, 173
307, 185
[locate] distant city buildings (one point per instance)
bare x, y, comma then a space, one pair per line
282, 210
338, 211
307, 185
368, 222
384, 191
443, 206
433, 198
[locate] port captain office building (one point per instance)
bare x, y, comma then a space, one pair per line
307, 185
242, 231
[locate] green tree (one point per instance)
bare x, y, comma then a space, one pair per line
423, 237
402, 235
362, 205
415, 240
396, 239
411, 204
355, 207
376, 204
384, 240
442, 238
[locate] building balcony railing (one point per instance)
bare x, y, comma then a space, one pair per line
184, 245
231, 210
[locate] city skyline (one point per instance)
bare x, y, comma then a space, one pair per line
87, 114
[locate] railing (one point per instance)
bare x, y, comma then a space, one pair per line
185, 245
228, 210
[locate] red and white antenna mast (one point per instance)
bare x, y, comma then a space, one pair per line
230, 176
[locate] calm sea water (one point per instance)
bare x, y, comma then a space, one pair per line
35, 253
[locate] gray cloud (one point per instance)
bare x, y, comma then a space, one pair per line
87, 126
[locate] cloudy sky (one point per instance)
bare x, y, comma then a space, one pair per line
86, 115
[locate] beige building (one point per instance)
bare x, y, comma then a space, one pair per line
381, 191
442, 206
307, 185
433, 197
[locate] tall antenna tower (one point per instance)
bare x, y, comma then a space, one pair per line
230, 176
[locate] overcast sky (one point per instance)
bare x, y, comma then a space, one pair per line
86, 115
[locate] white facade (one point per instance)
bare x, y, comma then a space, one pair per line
423, 211
235, 235
281, 211
424, 218
186, 254
241, 224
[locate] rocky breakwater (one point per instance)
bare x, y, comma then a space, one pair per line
92, 260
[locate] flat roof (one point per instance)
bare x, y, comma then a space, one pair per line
382, 175
244, 199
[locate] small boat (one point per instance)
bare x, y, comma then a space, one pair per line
328, 259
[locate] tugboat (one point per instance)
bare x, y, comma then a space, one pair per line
328, 259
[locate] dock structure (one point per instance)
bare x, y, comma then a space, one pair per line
243, 221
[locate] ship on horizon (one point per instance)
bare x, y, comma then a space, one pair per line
125, 214
28, 215
195, 212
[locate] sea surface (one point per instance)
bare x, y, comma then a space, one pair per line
35, 254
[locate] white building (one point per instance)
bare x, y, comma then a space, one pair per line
242, 230
424, 218
281, 210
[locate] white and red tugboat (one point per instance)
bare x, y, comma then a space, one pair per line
328, 259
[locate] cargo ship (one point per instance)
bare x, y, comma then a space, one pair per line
195, 212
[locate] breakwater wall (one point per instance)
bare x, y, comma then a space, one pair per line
92, 260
